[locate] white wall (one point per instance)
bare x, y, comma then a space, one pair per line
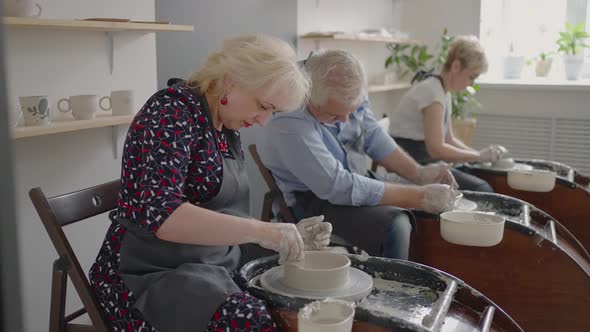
426, 19
179, 55
59, 64
352, 16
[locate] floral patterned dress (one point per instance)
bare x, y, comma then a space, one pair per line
172, 128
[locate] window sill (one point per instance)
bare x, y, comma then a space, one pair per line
547, 84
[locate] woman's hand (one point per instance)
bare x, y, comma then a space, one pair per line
314, 232
436, 173
283, 238
492, 153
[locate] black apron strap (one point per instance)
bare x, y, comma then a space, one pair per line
174, 81
421, 75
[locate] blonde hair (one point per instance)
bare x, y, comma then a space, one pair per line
469, 52
257, 63
336, 74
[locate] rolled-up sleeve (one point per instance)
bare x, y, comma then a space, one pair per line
302, 150
378, 143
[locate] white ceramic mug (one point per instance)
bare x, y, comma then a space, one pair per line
327, 316
22, 8
121, 102
36, 110
83, 107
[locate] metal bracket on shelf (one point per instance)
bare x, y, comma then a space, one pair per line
111, 50
115, 137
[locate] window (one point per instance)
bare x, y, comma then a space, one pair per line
527, 28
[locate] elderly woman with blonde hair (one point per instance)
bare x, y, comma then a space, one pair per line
422, 122
183, 214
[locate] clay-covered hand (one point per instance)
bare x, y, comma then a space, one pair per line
436, 197
283, 238
315, 232
436, 173
503, 151
492, 153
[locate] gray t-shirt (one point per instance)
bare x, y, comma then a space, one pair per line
408, 120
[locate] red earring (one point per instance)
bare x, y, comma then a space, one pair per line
223, 100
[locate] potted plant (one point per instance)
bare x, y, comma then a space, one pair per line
445, 41
407, 59
464, 111
394, 60
571, 44
543, 63
513, 63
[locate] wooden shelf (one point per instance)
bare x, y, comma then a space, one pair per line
357, 37
79, 25
388, 87
74, 125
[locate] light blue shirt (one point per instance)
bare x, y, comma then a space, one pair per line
303, 155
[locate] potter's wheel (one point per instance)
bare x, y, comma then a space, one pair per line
516, 166
463, 204
359, 286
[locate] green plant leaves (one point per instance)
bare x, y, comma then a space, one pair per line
464, 103
388, 61
572, 40
412, 58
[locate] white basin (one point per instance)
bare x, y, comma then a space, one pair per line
537, 180
471, 228
327, 316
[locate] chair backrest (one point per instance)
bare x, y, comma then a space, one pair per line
55, 213
274, 194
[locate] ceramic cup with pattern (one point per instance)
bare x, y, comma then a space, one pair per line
36, 110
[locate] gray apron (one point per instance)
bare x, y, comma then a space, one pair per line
363, 226
354, 152
356, 159
178, 287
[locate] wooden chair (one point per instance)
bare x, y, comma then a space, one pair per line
273, 195
55, 213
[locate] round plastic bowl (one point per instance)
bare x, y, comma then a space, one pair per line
320, 270
532, 180
471, 228
326, 316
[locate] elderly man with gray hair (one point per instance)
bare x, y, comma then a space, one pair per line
317, 155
